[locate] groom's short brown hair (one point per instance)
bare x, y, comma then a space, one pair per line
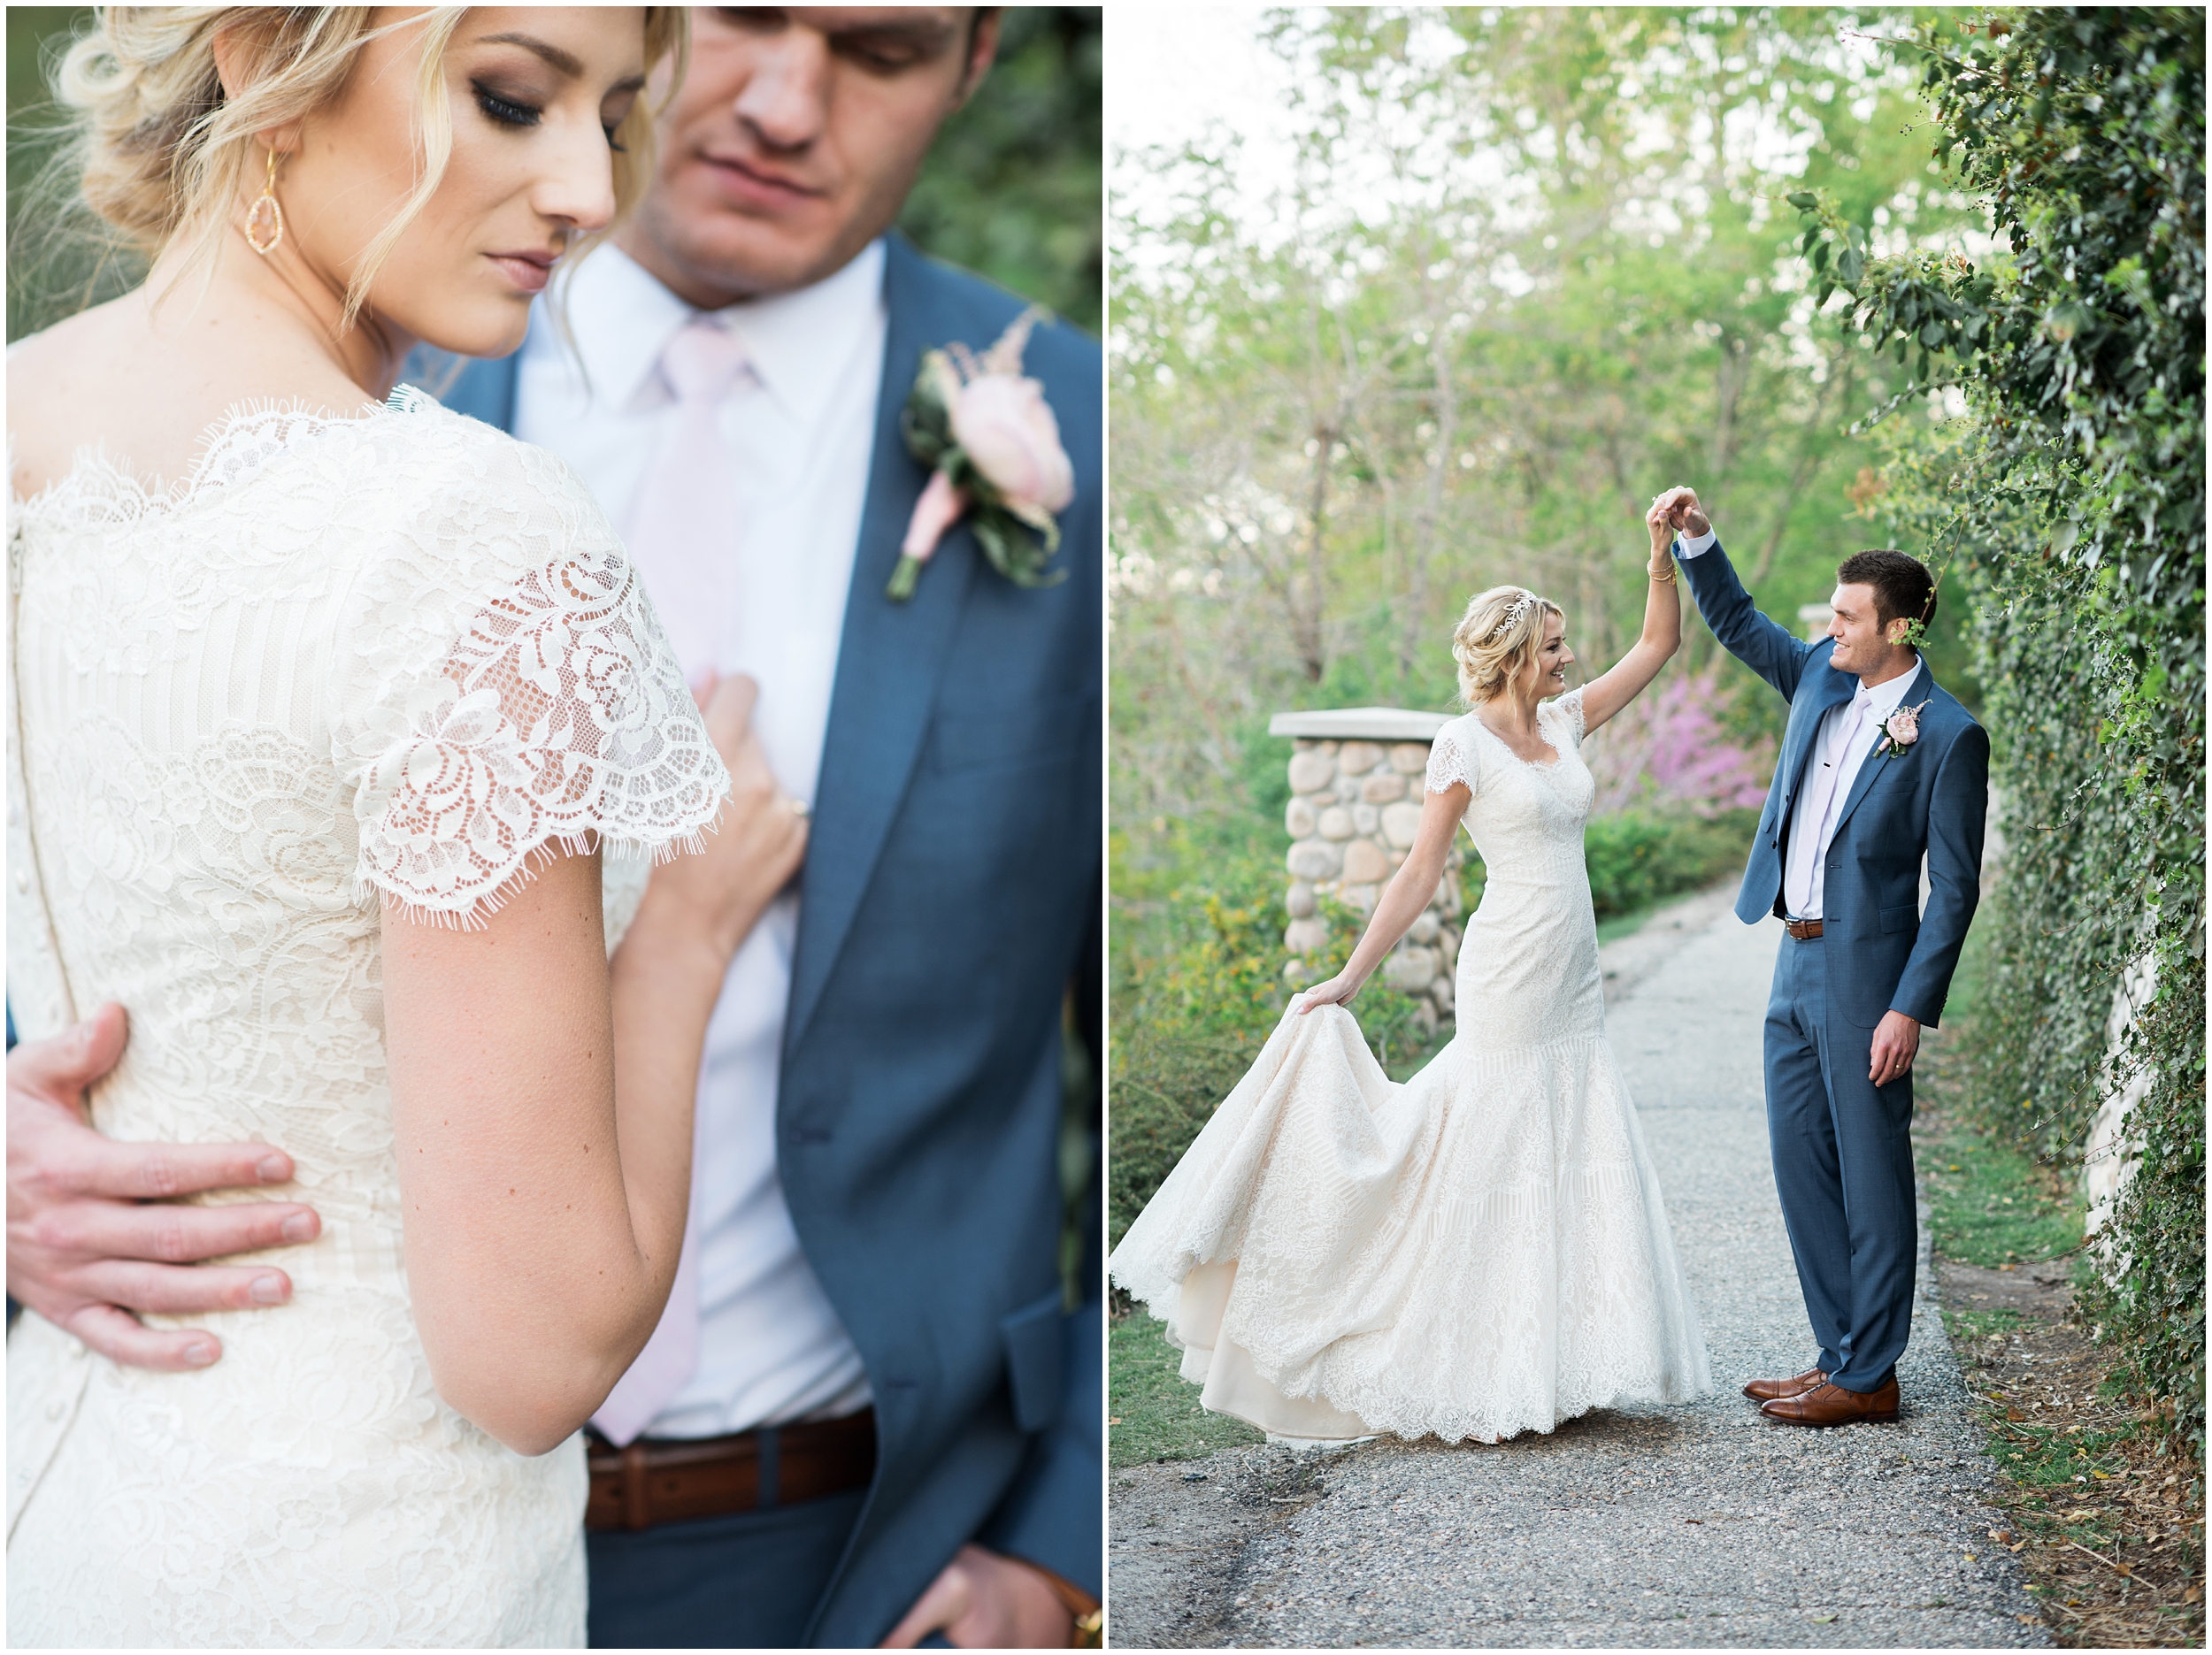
1903, 588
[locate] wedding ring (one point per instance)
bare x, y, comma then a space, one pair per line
798, 807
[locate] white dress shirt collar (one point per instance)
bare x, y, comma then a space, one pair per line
788, 336
1886, 694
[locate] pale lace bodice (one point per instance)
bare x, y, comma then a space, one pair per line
1528, 964
1479, 1250
391, 657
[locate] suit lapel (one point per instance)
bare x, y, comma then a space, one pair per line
890, 659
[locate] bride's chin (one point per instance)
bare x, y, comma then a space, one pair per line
483, 333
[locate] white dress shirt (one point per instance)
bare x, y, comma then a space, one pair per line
1848, 732
800, 426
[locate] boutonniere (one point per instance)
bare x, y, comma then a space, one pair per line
1899, 731
994, 447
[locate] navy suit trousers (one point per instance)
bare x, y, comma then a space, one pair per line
1843, 1167
749, 1580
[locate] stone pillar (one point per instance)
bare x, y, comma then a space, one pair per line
1356, 785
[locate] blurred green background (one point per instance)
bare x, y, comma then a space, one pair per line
1012, 189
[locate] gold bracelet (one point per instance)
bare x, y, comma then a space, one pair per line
1666, 580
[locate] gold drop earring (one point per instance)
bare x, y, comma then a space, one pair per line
265, 217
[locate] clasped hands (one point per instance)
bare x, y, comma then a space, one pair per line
1675, 512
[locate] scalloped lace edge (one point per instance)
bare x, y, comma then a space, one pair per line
244, 436
474, 911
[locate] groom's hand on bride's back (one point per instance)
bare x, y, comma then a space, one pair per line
92, 1235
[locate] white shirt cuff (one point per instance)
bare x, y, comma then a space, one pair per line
1688, 547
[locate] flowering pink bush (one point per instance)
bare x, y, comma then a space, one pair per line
1666, 748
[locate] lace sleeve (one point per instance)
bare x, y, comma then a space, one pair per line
505, 689
1568, 711
1449, 762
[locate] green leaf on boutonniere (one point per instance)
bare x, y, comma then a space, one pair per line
1016, 550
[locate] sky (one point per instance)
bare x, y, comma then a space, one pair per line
1170, 70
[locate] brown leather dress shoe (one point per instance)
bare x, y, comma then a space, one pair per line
1831, 1405
1767, 1390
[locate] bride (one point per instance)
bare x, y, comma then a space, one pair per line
1482, 1249
319, 747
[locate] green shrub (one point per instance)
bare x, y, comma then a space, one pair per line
1637, 857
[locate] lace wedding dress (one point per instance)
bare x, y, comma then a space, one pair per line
392, 656
1478, 1252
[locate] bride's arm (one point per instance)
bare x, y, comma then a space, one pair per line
1402, 898
1606, 696
541, 1103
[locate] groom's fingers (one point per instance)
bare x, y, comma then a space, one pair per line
171, 1289
61, 1065
122, 1338
943, 1603
162, 1233
83, 1162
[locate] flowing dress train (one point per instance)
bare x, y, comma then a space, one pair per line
1478, 1252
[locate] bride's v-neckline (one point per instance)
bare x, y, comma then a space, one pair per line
1534, 765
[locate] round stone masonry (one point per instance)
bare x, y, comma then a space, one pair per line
1354, 812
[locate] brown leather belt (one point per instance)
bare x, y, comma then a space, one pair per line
670, 1481
1803, 929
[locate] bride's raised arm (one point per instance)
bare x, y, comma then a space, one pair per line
1402, 898
1606, 694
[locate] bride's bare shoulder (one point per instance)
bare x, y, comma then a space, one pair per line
112, 379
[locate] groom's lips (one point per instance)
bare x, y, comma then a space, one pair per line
757, 186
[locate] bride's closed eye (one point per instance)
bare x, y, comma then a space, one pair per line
508, 111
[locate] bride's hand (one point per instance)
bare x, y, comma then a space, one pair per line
753, 851
1338, 991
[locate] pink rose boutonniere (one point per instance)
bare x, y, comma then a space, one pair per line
994, 446
1900, 731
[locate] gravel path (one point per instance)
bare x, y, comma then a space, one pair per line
1703, 1525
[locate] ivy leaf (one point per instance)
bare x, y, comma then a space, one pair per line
1803, 200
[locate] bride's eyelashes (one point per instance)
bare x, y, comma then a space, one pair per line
508, 111
504, 112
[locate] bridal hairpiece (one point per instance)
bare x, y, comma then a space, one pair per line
1522, 605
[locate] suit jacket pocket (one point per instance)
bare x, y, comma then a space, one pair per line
1905, 918
1034, 1360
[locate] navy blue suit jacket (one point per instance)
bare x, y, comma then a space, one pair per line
952, 891
1884, 953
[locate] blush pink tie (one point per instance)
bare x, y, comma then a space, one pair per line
681, 526
683, 523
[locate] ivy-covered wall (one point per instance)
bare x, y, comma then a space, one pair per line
2068, 509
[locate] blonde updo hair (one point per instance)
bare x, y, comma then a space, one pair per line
1497, 638
162, 157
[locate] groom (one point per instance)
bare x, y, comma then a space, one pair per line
867, 1414
1881, 767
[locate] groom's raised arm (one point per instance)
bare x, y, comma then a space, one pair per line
1768, 647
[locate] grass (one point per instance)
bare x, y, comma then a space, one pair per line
1151, 1413
1991, 1204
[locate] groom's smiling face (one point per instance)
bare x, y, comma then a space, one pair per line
1864, 641
795, 138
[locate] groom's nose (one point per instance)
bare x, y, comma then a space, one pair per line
786, 98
